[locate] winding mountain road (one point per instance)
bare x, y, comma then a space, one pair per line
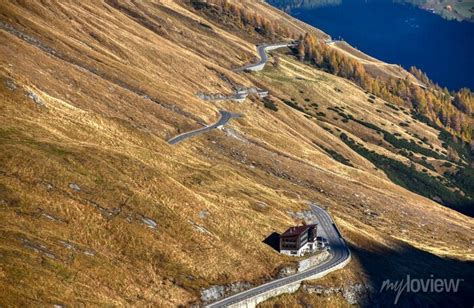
262, 52
340, 256
226, 116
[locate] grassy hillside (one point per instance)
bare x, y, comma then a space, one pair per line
98, 209
451, 9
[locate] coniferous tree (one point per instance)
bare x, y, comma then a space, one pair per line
301, 51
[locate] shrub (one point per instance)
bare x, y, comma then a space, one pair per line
464, 179
415, 181
461, 147
392, 106
447, 164
337, 157
293, 105
268, 103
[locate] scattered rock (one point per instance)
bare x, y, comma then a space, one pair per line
370, 213
109, 214
37, 247
199, 228
212, 294
149, 222
308, 216
287, 271
35, 98
314, 289
74, 186
27, 38
68, 245
354, 294
217, 292
203, 214
50, 217
262, 205
10, 84
237, 287
75, 247
89, 253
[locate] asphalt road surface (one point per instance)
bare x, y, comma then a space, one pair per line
262, 52
339, 254
224, 119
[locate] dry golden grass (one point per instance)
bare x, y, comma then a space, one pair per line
99, 129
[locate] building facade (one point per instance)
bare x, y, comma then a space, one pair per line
297, 240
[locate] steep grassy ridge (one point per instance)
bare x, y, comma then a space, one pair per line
97, 208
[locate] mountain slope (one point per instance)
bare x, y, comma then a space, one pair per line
97, 208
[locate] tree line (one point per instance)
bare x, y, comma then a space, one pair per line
244, 18
449, 110
440, 107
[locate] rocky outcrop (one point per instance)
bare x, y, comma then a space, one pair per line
308, 216
35, 98
203, 214
10, 84
354, 294
150, 223
199, 228
220, 291
287, 271
313, 261
74, 187
212, 294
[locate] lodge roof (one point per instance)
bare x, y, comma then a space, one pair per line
298, 230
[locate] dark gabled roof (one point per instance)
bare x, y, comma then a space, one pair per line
296, 231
